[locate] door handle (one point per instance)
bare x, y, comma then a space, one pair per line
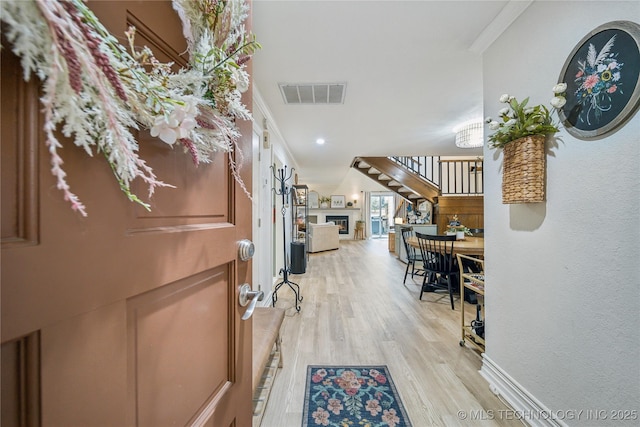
248, 296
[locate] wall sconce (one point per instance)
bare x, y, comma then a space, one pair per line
469, 135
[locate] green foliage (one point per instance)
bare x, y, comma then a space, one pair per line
532, 121
518, 120
458, 228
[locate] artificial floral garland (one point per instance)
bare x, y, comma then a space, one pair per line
98, 90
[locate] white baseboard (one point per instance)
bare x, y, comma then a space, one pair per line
524, 406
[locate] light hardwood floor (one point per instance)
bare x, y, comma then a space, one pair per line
356, 311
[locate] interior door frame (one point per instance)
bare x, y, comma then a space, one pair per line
379, 196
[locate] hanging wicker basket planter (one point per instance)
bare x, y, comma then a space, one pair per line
524, 167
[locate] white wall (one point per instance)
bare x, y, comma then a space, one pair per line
563, 277
354, 182
267, 234
353, 186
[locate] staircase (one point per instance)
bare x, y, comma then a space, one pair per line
397, 178
424, 178
452, 186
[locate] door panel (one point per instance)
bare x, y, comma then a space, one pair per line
84, 369
19, 133
21, 381
126, 317
165, 359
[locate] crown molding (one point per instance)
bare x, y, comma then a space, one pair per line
509, 13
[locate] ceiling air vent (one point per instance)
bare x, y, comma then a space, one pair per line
313, 93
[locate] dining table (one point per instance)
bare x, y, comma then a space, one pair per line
473, 246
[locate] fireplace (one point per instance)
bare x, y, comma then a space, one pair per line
340, 220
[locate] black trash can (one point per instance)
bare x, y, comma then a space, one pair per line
298, 259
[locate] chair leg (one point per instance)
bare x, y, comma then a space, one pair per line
451, 291
424, 283
432, 277
406, 271
427, 279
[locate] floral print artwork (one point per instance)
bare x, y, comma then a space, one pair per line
352, 396
598, 81
602, 75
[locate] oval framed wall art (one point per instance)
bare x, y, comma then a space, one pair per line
603, 81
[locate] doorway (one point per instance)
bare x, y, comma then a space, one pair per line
382, 209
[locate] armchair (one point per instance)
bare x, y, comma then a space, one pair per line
323, 237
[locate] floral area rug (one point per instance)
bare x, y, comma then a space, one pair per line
358, 396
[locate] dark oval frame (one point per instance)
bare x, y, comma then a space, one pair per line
622, 111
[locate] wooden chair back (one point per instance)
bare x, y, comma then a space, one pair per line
437, 253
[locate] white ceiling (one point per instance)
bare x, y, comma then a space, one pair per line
413, 71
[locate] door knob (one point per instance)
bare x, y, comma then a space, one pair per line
247, 296
246, 249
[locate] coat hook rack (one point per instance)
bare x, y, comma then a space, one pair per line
282, 189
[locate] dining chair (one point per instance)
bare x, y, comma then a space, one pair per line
413, 256
438, 263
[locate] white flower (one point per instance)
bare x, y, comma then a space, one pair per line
602, 67
186, 126
504, 111
504, 98
241, 79
616, 76
560, 88
176, 116
531, 128
487, 119
191, 108
558, 101
528, 110
164, 127
178, 125
511, 98
493, 125
511, 122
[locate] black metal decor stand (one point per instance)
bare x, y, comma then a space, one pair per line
284, 190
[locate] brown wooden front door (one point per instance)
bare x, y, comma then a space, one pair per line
126, 317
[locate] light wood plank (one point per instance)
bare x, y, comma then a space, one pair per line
357, 311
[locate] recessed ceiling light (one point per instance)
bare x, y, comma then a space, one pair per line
319, 141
